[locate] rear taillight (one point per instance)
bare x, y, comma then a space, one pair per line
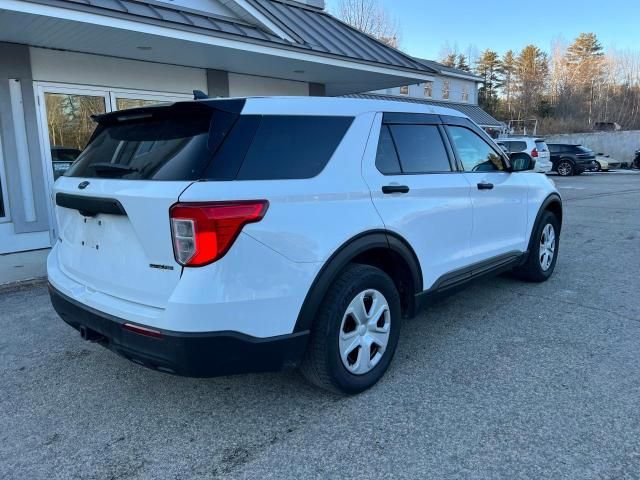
204, 232
534, 153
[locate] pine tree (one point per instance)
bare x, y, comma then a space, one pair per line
532, 71
585, 62
450, 60
462, 64
488, 67
508, 70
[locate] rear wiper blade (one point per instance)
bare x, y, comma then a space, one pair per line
112, 168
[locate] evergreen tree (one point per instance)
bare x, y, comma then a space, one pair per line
450, 60
532, 71
462, 64
488, 67
508, 70
585, 62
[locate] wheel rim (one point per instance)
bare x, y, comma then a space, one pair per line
364, 332
547, 247
564, 169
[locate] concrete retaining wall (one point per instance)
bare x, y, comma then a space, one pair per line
618, 145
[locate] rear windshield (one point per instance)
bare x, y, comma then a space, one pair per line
541, 146
156, 149
215, 146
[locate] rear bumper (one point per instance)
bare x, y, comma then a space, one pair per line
188, 354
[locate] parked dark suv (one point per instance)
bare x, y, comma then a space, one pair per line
570, 159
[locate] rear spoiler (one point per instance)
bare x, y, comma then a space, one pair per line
160, 110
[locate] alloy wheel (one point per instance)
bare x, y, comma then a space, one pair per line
547, 247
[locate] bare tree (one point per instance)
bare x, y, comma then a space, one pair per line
370, 17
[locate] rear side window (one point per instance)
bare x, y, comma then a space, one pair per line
517, 146
292, 147
420, 148
169, 148
387, 159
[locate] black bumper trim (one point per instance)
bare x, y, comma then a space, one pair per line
208, 354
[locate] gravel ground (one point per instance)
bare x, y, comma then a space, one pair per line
504, 380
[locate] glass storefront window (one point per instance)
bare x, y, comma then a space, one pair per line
124, 103
70, 126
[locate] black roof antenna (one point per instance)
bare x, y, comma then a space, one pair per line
199, 95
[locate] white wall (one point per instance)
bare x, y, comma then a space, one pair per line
84, 69
249, 85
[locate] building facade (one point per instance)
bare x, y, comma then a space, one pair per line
450, 87
62, 61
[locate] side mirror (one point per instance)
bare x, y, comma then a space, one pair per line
521, 162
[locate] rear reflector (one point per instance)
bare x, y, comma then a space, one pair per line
204, 232
147, 332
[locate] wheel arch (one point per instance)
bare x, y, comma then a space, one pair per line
380, 248
553, 204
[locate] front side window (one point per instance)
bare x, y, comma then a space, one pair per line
475, 154
445, 90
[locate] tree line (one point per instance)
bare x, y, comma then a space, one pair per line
569, 90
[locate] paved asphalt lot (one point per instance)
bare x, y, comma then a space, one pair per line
504, 380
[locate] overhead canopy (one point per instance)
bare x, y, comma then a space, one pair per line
474, 112
292, 41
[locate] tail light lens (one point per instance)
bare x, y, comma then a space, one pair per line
204, 232
534, 153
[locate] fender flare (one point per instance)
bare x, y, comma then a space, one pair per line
552, 199
342, 257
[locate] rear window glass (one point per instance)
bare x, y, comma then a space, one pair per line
541, 146
420, 148
582, 149
387, 159
212, 145
164, 149
292, 147
516, 146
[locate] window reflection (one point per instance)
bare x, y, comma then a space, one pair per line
70, 126
476, 154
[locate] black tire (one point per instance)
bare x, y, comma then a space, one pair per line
597, 168
532, 270
322, 364
565, 168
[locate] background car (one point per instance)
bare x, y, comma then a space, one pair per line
613, 162
62, 158
534, 146
571, 159
602, 164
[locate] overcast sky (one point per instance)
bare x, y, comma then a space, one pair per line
426, 25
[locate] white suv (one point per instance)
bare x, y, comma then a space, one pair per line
534, 146
241, 235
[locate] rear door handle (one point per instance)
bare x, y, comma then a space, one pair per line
485, 186
388, 189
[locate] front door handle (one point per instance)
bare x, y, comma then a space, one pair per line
485, 186
388, 189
